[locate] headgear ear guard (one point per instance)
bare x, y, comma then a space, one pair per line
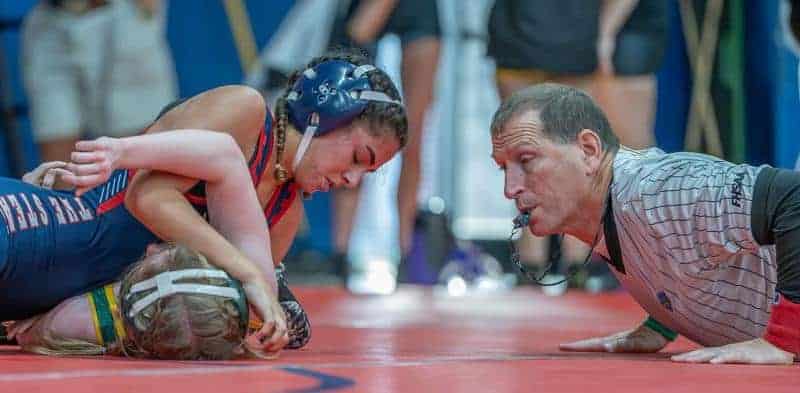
329, 95
145, 293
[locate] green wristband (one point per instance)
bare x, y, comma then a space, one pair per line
660, 329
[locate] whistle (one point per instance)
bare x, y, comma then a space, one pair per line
522, 220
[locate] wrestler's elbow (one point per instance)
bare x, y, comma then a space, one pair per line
230, 159
144, 202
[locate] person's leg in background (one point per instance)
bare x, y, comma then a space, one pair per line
345, 203
627, 90
629, 96
346, 200
417, 25
627, 93
629, 102
52, 82
419, 65
138, 76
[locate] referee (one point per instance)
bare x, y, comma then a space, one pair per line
709, 249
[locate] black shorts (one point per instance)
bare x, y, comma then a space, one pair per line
554, 36
775, 219
410, 20
638, 53
643, 39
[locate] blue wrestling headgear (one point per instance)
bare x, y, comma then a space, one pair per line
328, 96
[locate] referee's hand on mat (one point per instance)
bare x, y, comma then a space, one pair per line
758, 351
639, 340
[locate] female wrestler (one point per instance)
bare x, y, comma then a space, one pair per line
352, 106
147, 312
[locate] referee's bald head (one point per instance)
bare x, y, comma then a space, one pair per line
563, 110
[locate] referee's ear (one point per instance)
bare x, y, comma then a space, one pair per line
591, 147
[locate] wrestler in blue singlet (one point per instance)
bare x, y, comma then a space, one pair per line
54, 245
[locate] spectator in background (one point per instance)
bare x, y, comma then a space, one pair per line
630, 48
610, 49
362, 23
94, 68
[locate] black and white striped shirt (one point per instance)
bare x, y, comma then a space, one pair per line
691, 261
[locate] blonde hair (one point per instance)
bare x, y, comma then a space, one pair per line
180, 326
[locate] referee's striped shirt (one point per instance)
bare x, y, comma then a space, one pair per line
690, 258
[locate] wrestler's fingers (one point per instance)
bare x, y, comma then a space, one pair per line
87, 145
266, 331
49, 179
35, 175
82, 183
258, 341
52, 175
279, 337
87, 169
80, 157
51, 165
16, 328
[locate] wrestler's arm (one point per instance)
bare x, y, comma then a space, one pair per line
177, 151
213, 157
234, 209
241, 244
69, 320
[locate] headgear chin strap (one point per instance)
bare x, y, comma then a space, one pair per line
163, 285
329, 95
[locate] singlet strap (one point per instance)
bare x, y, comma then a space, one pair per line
280, 202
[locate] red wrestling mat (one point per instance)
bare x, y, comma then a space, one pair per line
416, 341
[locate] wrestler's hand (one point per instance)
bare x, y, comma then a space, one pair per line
93, 162
21, 330
758, 351
639, 340
273, 334
46, 175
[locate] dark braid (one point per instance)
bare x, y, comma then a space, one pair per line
382, 116
282, 114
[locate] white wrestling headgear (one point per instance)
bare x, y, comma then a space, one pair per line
163, 285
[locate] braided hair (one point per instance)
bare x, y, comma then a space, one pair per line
382, 117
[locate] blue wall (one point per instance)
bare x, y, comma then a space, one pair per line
11, 13
773, 106
202, 43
